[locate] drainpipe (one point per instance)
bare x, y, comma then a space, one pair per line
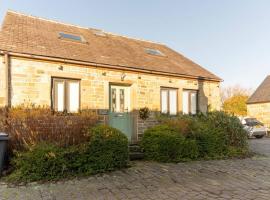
8, 80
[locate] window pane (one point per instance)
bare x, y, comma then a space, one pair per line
173, 102
74, 96
193, 101
70, 37
164, 101
185, 102
59, 96
154, 52
122, 100
113, 106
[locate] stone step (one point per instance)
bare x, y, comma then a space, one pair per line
135, 148
135, 152
136, 155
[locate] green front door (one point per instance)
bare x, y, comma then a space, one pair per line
119, 115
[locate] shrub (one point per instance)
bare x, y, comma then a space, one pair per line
43, 161
163, 143
211, 142
3, 118
105, 150
229, 125
215, 135
28, 126
190, 150
183, 125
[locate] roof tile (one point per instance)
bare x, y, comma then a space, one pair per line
262, 94
31, 35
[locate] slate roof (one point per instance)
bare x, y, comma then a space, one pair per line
26, 34
262, 94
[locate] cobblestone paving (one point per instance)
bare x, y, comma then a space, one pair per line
226, 179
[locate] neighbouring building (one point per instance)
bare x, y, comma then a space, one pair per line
68, 68
258, 105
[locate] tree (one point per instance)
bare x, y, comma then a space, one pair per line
236, 105
236, 90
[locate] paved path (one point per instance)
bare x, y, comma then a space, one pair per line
260, 146
227, 179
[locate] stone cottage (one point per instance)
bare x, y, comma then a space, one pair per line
69, 68
258, 105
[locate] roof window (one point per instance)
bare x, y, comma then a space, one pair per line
154, 52
99, 33
76, 38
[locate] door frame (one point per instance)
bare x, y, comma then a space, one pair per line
132, 130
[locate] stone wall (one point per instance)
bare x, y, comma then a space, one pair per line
31, 82
261, 111
2, 82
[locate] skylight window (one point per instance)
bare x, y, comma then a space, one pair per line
100, 33
72, 37
154, 52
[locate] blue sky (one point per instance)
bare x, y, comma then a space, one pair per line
228, 37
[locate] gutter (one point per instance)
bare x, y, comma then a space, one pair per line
108, 66
257, 102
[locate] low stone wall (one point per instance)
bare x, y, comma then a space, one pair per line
142, 125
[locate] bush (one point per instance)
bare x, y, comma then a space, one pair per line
108, 148
190, 150
28, 126
230, 126
211, 142
105, 150
215, 135
163, 143
3, 118
44, 161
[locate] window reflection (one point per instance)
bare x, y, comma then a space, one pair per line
122, 100
113, 100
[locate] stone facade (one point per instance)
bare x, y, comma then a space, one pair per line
2, 81
31, 82
261, 111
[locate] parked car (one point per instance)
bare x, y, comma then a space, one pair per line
254, 127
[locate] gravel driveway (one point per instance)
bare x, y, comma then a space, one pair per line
226, 179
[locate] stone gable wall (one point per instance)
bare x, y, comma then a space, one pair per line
261, 111
2, 81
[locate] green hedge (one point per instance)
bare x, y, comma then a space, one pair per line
163, 143
106, 150
215, 135
43, 161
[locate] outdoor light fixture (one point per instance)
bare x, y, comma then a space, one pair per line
61, 67
123, 76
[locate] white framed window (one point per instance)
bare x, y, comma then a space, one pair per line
168, 98
65, 95
120, 99
190, 102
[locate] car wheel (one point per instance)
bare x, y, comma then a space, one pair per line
258, 136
